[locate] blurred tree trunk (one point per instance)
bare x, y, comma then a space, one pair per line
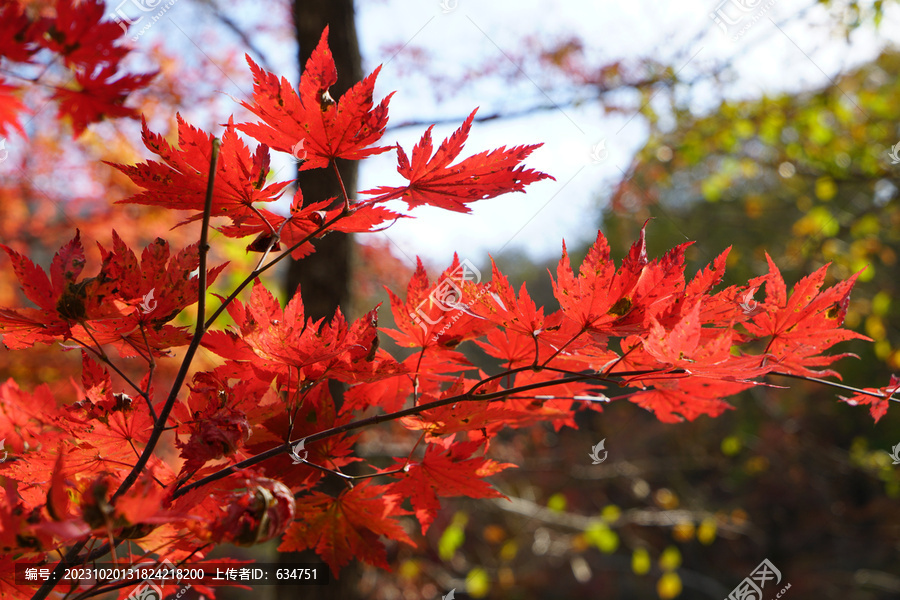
324, 277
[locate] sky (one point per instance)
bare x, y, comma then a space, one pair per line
772, 46
779, 47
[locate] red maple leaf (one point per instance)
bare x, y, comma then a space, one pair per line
431, 311
10, 107
347, 527
446, 470
674, 400
285, 341
54, 297
16, 33
805, 324
81, 37
97, 96
311, 125
304, 219
180, 181
104, 308
878, 403
616, 302
433, 181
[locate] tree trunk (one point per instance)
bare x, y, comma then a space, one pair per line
324, 276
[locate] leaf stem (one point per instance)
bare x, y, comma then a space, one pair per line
343, 188
834, 384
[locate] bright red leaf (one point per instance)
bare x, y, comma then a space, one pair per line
433, 181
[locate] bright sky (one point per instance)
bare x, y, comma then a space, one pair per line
789, 45
779, 51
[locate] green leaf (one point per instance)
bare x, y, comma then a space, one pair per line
453, 537
670, 559
640, 561
478, 584
599, 535
557, 502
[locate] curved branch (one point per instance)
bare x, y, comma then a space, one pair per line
406, 412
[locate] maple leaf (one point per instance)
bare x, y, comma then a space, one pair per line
700, 351
328, 129
347, 527
104, 308
180, 180
433, 181
81, 37
305, 219
16, 43
97, 96
10, 107
432, 310
446, 470
674, 400
804, 325
137, 284
27, 419
878, 403
616, 302
502, 306
284, 341
215, 433
56, 297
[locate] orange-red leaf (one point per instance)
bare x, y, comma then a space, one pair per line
433, 181
311, 125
